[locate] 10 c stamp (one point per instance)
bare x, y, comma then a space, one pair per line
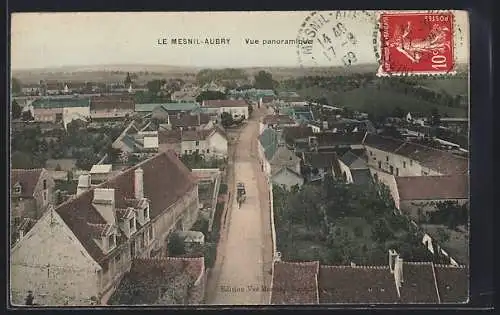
416, 43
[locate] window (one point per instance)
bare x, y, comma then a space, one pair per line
111, 241
132, 224
411, 162
197, 143
391, 169
371, 153
17, 189
208, 151
44, 184
185, 151
387, 158
379, 164
404, 164
146, 214
44, 196
397, 171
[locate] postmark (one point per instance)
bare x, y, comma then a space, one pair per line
336, 36
416, 43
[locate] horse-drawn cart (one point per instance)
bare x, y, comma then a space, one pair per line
240, 193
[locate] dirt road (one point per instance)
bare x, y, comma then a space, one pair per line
241, 272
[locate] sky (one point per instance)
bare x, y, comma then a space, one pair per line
47, 40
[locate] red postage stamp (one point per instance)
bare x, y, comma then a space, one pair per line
416, 43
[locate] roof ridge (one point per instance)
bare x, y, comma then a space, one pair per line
299, 262
450, 266
418, 263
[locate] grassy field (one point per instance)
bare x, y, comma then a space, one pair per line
370, 99
456, 85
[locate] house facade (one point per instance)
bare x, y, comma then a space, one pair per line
59, 109
237, 108
111, 107
286, 177
208, 142
31, 192
78, 253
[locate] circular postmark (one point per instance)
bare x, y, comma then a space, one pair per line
336, 38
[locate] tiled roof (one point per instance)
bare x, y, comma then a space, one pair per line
284, 157
277, 170
195, 135
60, 102
169, 136
160, 281
423, 282
333, 139
290, 134
277, 119
295, 283
189, 120
441, 161
166, 179
361, 177
225, 103
269, 141
349, 158
419, 285
98, 230
358, 284
105, 103
27, 178
122, 213
452, 283
433, 187
320, 159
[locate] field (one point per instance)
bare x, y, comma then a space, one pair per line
370, 99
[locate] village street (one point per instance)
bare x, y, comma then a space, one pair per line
242, 270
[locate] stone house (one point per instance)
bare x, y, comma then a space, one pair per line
237, 108
78, 253
286, 177
403, 158
31, 192
111, 107
208, 142
417, 196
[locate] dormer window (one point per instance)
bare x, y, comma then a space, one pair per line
17, 189
146, 213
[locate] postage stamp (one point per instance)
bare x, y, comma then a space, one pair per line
334, 37
416, 43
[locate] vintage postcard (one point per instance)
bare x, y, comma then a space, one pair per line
239, 158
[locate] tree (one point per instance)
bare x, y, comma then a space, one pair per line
210, 95
15, 85
442, 236
264, 80
175, 245
435, 118
226, 119
16, 110
398, 112
155, 86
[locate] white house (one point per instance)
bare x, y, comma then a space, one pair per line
212, 142
237, 108
286, 177
402, 158
78, 252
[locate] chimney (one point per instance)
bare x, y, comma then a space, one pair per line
392, 259
398, 272
139, 183
104, 202
83, 184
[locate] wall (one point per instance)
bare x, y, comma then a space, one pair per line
111, 113
218, 145
46, 114
192, 146
345, 169
24, 208
404, 165
288, 179
43, 197
70, 113
164, 147
390, 182
66, 272
236, 111
185, 211
413, 207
